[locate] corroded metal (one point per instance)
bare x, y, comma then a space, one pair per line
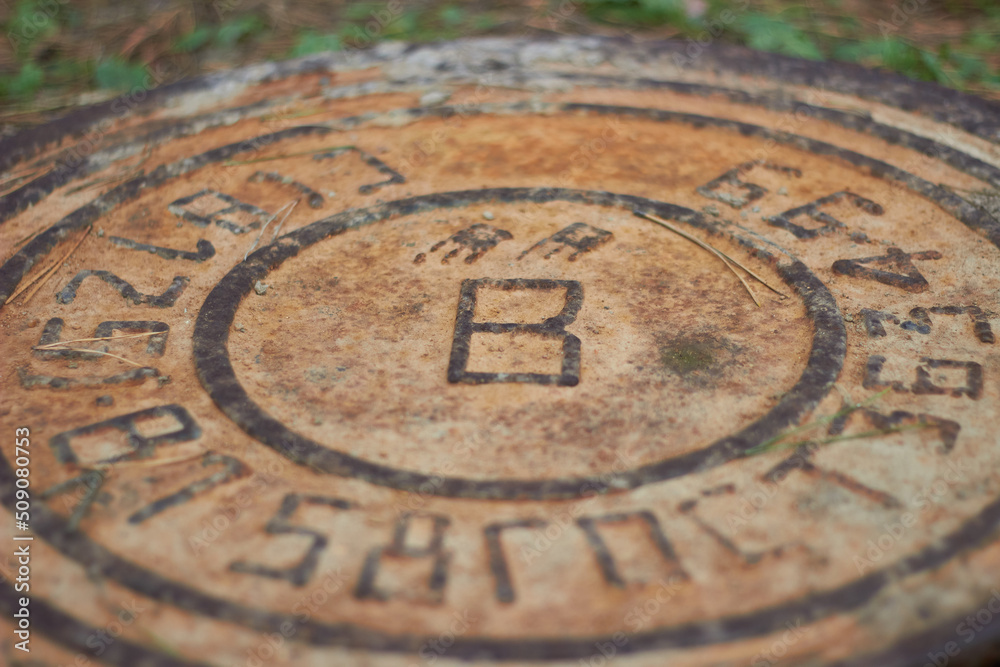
380, 381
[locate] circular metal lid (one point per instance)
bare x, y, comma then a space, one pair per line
505, 352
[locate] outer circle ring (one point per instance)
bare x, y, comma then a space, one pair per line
971, 114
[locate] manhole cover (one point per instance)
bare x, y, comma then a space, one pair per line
426, 355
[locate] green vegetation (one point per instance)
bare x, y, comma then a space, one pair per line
313, 42
819, 31
24, 84
117, 74
58, 50
638, 13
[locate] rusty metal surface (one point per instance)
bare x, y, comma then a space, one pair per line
406, 379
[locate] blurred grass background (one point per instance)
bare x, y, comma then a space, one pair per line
59, 54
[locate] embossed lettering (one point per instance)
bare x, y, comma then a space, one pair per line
401, 552
553, 328
280, 524
603, 552
726, 188
894, 268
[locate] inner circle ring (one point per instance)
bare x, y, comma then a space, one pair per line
218, 377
